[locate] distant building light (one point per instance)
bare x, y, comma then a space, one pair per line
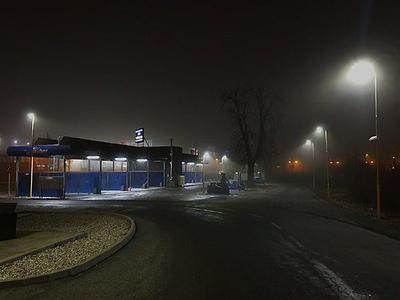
141, 160
15, 142
199, 165
371, 162
183, 163
338, 162
296, 162
120, 159
190, 163
278, 166
28, 143
331, 162
289, 161
92, 157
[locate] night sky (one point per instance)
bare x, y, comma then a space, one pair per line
101, 70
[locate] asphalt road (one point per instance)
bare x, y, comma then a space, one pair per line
279, 242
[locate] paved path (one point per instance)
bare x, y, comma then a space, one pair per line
278, 243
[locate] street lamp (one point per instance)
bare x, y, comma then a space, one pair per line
31, 116
206, 157
310, 143
360, 73
222, 162
319, 130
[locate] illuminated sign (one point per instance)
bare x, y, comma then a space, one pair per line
38, 151
139, 135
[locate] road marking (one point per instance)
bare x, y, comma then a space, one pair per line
333, 280
256, 216
277, 226
336, 283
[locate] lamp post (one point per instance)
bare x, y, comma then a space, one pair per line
311, 144
360, 73
222, 162
31, 116
206, 157
321, 130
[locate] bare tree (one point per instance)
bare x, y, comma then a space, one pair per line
256, 117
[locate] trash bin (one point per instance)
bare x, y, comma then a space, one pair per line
8, 221
181, 181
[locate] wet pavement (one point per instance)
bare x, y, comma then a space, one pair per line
276, 242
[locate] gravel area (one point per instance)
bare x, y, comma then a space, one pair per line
102, 232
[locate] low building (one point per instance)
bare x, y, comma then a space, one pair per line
72, 165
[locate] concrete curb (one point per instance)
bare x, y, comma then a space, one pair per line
85, 265
361, 220
51, 245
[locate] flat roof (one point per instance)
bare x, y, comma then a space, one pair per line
79, 148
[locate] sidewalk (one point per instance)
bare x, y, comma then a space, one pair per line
30, 242
5, 195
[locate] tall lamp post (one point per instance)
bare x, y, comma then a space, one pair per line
360, 73
31, 116
311, 144
206, 157
222, 162
321, 130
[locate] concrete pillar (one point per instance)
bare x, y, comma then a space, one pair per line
177, 166
16, 176
127, 175
148, 173
101, 176
64, 177
164, 175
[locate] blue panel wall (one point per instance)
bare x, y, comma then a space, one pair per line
82, 182
37, 191
113, 181
138, 179
192, 177
156, 178
88, 182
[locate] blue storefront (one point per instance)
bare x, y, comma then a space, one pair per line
79, 166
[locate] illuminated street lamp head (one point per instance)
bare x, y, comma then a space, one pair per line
308, 143
361, 72
15, 142
224, 157
31, 116
206, 155
319, 129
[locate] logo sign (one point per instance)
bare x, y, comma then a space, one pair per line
39, 151
139, 135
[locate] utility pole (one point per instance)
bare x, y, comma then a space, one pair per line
328, 188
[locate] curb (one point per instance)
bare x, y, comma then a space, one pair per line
85, 265
51, 245
373, 225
